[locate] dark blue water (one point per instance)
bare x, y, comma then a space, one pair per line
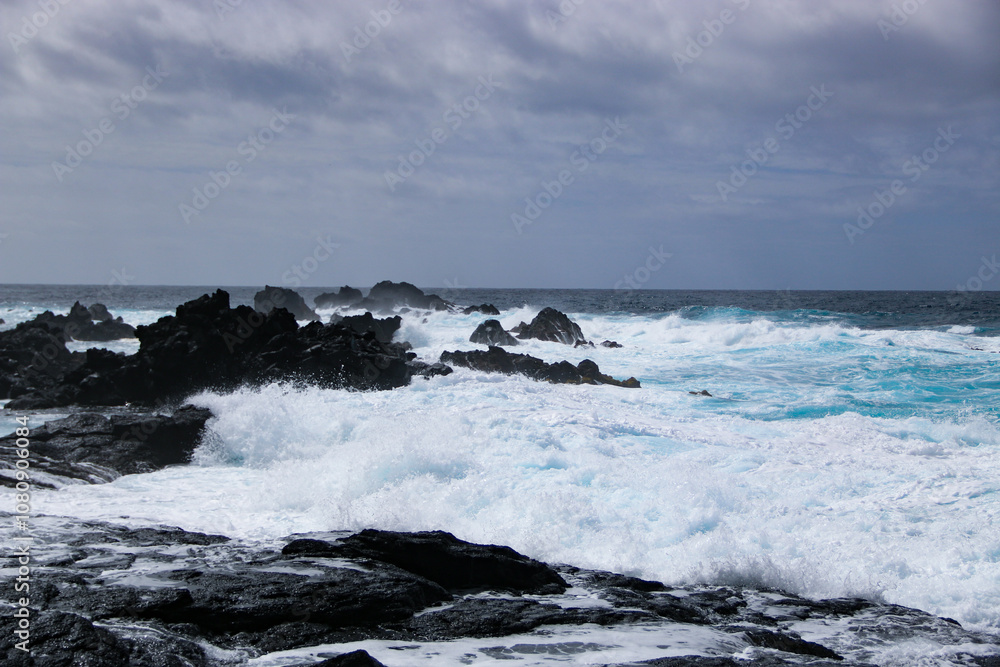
867, 310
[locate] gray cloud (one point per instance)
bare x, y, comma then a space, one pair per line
560, 78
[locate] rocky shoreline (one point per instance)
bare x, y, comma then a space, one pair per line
106, 594
109, 594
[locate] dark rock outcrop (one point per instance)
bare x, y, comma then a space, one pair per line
703, 392
206, 345
498, 360
112, 595
382, 328
95, 448
81, 324
551, 325
388, 296
443, 558
491, 333
346, 296
485, 309
610, 343
270, 298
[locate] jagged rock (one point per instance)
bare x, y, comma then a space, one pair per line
382, 328
34, 359
498, 360
80, 324
387, 296
99, 313
444, 559
95, 448
491, 333
190, 594
583, 343
345, 296
789, 644
610, 343
551, 325
485, 309
270, 298
208, 345
703, 392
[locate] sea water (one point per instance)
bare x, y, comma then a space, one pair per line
849, 446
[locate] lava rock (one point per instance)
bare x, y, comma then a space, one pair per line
270, 298
789, 644
387, 296
346, 296
485, 309
206, 345
359, 658
80, 324
552, 325
610, 343
491, 333
703, 392
382, 328
498, 360
95, 448
455, 564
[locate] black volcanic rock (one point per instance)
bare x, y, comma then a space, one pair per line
113, 595
96, 448
387, 296
444, 559
498, 360
81, 324
485, 309
491, 333
345, 296
551, 325
33, 360
382, 328
208, 345
611, 343
270, 298
359, 658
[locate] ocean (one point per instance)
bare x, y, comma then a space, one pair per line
850, 445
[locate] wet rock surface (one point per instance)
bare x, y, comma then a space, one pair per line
95, 448
113, 595
554, 326
492, 334
498, 360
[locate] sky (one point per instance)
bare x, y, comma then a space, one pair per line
674, 144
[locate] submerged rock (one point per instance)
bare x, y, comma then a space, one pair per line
491, 333
551, 325
271, 298
498, 360
346, 296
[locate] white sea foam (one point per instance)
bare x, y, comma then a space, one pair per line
831, 461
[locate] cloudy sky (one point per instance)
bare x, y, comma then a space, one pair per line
749, 144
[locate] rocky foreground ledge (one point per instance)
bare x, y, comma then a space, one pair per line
104, 594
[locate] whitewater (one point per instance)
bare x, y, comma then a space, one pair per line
830, 460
